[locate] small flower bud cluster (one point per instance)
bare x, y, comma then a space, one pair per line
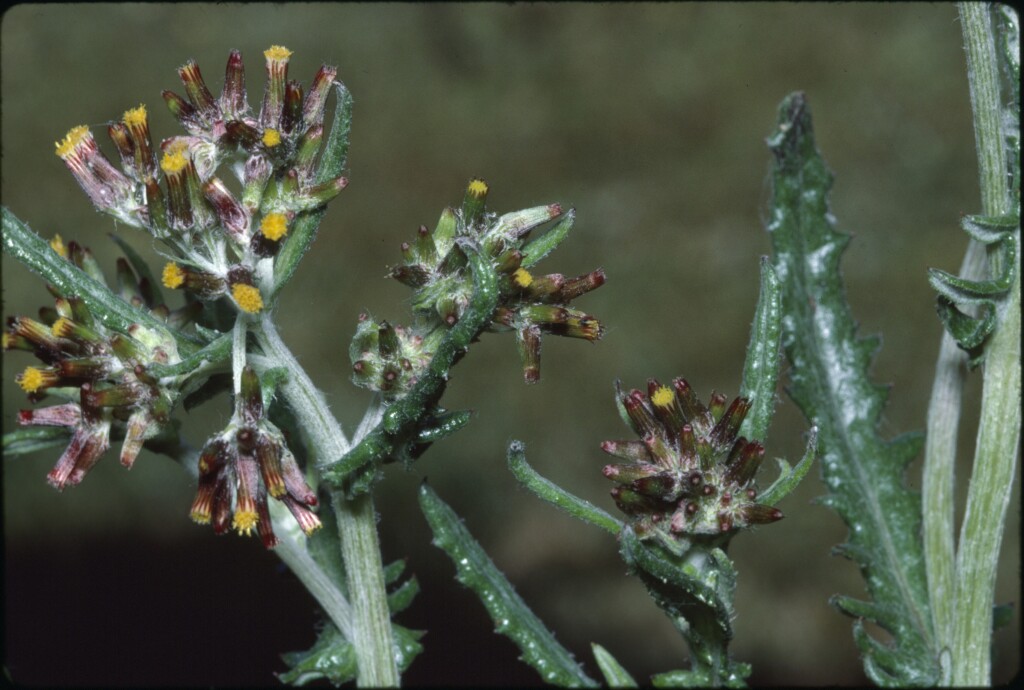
241, 465
689, 475
103, 373
385, 358
436, 267
218, 236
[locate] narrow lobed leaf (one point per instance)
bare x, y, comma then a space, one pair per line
556, 495
829, 381
511, 616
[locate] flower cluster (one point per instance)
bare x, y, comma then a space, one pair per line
104, 374
241, 465
436, 267
219, 238
689, 475
223, 247
387, 358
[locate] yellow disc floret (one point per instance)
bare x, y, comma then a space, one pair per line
663, 397
57, 245
522, 278
71, 140
245, 521
271, 138
135, 117
277, 53
61, 327
173, 161
173, 276
201, 513
32, 379
247, 297
274, 226
477, 188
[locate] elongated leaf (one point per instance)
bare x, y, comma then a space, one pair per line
614, 674
556, 495
511, 616
761, 369
30, 249
30, 440
829, 382
537, 249
332, 163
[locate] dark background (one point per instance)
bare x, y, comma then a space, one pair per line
650, 120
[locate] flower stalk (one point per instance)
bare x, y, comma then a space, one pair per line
357, 525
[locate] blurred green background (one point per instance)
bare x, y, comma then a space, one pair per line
650, 120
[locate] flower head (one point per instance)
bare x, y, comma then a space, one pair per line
108, 367
241, 465
689, 475
530, 305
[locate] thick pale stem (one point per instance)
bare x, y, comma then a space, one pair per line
371, 621
939, 470
999, 428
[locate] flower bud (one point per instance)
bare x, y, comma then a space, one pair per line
291, 117
316, 99
199, 95
233, 216
233, 102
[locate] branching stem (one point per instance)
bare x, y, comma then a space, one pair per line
371, 629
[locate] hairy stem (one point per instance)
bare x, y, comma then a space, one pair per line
999, 428
371, 629
939, 469
292, 550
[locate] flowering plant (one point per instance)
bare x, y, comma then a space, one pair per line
116, 363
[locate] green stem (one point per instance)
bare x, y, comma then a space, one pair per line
292, 550
375, 654
999, 428
939, 471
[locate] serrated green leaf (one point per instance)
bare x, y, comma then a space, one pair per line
537, 249
829, 382
333, 658
614, 674
761, 367
140, 266
30, 440
556, 495
511, 616
24, 245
